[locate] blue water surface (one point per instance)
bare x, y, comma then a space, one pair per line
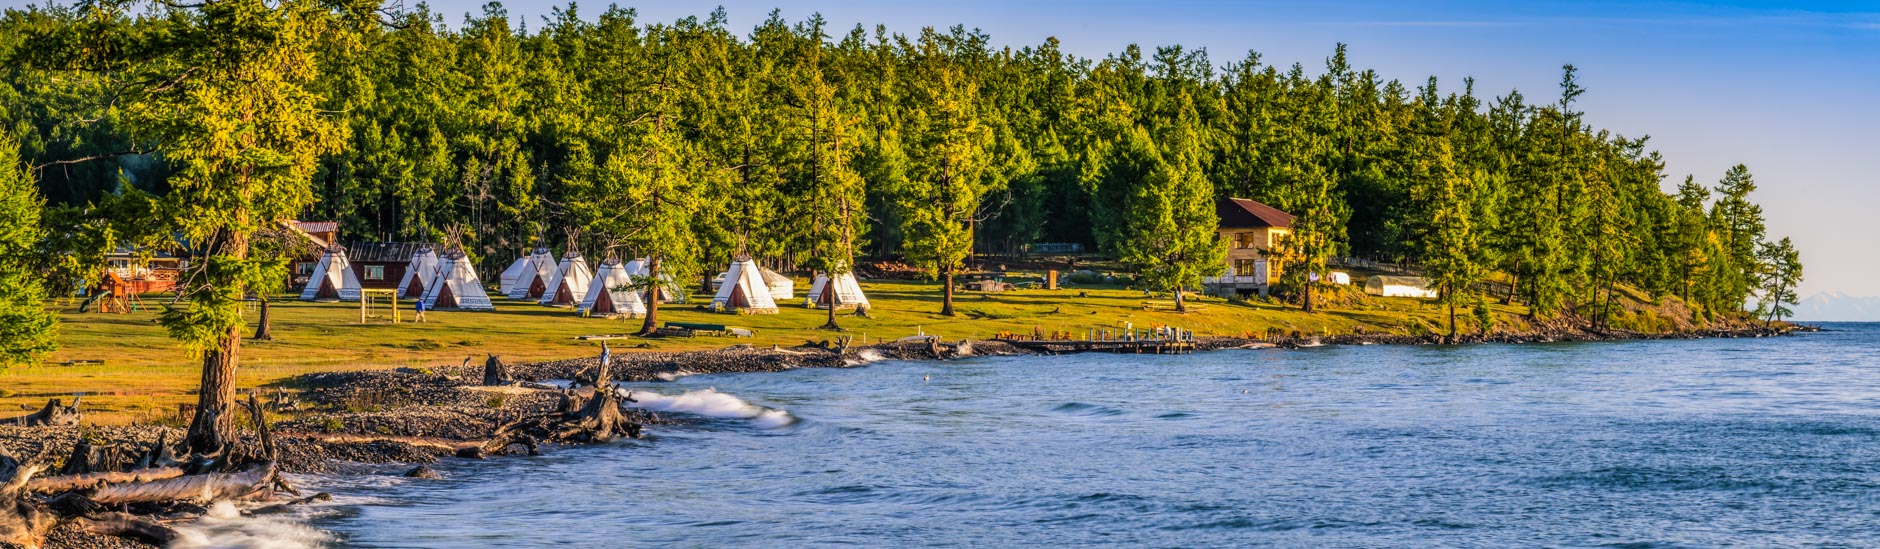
1714, 442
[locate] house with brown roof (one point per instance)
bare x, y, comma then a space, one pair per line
381, 264
323, 235
1250, 229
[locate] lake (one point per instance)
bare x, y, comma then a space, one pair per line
1713, 442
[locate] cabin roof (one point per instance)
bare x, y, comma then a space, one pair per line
1241, 213
382, 252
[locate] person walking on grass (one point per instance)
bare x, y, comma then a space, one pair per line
419, 306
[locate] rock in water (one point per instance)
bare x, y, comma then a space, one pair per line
424, 473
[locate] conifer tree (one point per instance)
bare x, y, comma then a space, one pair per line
1168, 231
1738, 223
1451, 243
1693, 231
27, 330
946, 164
1784, 267
644, 194
223, 90
831, 189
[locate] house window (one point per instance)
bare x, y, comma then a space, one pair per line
1244, 240
303, 268
375, 272
1244, 267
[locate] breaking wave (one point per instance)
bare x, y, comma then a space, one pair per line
224, 527
711, 403
669, 376
866, 356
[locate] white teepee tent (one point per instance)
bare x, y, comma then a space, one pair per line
457, 286
781, 287
530, 275
418, 274
333, 279
569, 281
670, 292
744, 291
843, 293
611, 294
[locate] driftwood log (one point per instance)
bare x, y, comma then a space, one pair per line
54, 415
96, 477
23, 520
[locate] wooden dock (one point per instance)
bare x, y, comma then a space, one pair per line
1128, 346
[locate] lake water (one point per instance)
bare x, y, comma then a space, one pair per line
1748, 442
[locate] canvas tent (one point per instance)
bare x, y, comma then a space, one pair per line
527, 278
781, 287
569, 281
611, 294
456, 286
1336, 277
1399, 286
744, 291
841, 292
333, 278
670, 292
418, 274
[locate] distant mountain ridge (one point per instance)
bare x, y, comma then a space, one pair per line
1838, 307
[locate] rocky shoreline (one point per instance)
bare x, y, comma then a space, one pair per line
419, 416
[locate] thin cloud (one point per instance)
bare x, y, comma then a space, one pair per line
1438, 24
1787, 19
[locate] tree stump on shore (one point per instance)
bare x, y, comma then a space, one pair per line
494, 372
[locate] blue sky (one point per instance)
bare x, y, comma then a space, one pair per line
1788, 88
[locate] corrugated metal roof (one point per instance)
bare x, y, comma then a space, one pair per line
318, 226
382, 252
1240, 213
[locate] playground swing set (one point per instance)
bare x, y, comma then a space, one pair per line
373, 303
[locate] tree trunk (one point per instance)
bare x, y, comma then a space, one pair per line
705, 282
265, 331
67, 483
651, 324
1514, 281
1452, 323
1308, 307
831, 323
1774, 308
946, 303
1181, 304
201, 488
214, 427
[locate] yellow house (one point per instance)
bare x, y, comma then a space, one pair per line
1250, 230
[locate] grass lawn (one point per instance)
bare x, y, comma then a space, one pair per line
144, 376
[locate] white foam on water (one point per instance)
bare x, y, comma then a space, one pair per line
711, 403
224, 527
965, 348
669, 376
866, 356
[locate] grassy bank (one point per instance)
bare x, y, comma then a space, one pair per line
144, 375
